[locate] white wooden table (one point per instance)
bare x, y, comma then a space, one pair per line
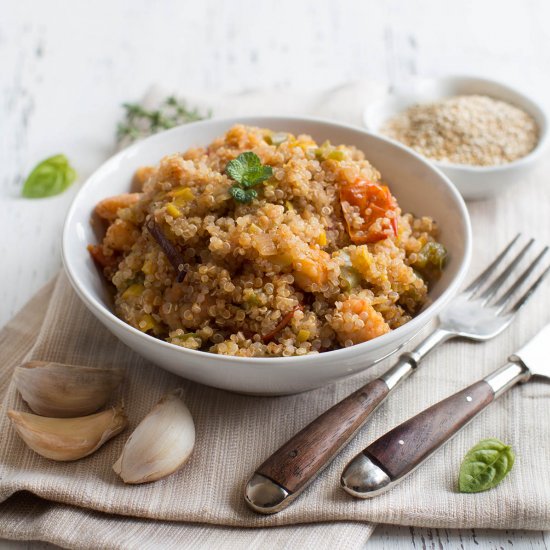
65, 69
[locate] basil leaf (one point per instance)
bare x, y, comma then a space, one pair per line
485, 466
247, 169
48, 178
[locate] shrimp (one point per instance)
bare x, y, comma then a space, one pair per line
108, 208
357, 321
121, 236
96, 251
143, 173
311, 273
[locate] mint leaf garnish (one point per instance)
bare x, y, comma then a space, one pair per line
248, 171
242, 195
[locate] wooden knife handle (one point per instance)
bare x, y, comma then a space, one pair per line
301, 458
402, 449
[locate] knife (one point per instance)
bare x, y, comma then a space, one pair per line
397, 453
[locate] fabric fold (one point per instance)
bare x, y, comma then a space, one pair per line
235, 432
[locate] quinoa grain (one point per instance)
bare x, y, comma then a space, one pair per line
468, 129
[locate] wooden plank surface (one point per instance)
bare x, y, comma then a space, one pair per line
67, 67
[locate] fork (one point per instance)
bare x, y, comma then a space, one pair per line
475, 314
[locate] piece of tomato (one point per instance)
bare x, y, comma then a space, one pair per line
374, 201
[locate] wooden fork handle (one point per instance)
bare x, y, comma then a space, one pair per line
301, 458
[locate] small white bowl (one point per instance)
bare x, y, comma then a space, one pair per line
474, 182
418, 186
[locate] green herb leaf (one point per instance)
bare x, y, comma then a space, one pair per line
247, 169
140, 122
242, 195
48, 178
485, 466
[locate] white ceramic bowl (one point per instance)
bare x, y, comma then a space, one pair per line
418, 186
474, 182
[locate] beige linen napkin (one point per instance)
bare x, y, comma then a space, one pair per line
236, 432
24, 516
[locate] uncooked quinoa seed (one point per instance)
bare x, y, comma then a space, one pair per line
468, 129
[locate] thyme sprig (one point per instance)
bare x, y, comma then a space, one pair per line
140, 122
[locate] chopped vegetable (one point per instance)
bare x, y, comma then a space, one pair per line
252, 299
264, 244
276, 138
255, 229
336, 155
350, 277
322, 152
147, 323
266, 338
430, 260
431, 257
173, 210
148, 267
133, 291
322, 239
303, 144
183, 194
302, 335
50, 177
172, 253
375, 203
248, 171
328, 152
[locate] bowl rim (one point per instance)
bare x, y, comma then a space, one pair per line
415, 323
529, 104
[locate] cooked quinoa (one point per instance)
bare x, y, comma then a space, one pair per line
317, 258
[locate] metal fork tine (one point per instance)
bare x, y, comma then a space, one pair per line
505, 298
482, 277
530, 291
498, 282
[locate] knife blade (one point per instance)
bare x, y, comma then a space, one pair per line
534, 354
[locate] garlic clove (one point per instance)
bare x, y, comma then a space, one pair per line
63, 391
66, 439
161, 444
